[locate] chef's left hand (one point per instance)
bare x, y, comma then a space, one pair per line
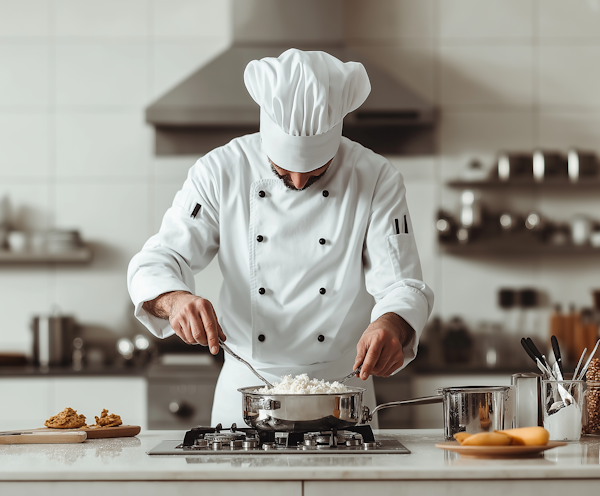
380, 347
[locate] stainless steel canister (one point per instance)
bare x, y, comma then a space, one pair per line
52, 340
527, 402
476, 409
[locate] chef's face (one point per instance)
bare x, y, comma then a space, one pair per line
299, 180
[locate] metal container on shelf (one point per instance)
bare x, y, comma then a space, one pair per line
512, 166
549, 165
581, 165
53, 340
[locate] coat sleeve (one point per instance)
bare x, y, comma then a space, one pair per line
186, 243
392, 267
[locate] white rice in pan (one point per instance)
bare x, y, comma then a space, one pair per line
301, 384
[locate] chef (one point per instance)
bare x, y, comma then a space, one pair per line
313, 236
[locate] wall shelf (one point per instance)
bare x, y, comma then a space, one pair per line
79, 256
528, 184
515, 249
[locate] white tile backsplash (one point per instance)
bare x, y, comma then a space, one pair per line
487, 75
108, 18
565, 129
25, 73
173, 168
569, 75
114, 218
190, 18
25, 145
480, 135
162, 199
500, 19
115, 145
112, 213
25, 17
94, 73
24, 292
29, 204
569, 18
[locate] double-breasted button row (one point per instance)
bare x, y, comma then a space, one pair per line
261, 338
260, 238
262, 291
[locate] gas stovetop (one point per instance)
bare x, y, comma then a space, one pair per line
218, 441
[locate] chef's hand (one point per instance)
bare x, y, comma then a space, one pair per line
380, 347
192, 318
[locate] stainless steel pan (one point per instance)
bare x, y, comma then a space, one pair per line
471, 408
312, 412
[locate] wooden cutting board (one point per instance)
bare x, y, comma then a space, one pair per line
101, 432
35, 436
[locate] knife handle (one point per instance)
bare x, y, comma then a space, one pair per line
556, 351
525, 346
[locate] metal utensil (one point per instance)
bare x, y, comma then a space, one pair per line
239, 359
556, 351
587, 363
579, 363
354, 373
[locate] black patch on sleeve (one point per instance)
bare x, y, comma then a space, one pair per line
196, 210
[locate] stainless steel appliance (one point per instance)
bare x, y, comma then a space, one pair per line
216, 441
180, 396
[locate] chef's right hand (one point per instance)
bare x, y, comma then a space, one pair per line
192, 317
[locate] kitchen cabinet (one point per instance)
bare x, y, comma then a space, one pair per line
452, 487
154, 488
24, 402
28, 402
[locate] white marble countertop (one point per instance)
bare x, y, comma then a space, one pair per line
127, 459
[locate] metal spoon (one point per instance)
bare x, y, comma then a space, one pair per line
239, 359
354, 373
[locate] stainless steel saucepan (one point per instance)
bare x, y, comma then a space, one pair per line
472, 409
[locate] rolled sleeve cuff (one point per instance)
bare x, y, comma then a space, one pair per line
145, 286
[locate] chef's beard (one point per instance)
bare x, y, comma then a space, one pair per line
287, 180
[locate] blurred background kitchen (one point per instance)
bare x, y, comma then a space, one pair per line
489, 108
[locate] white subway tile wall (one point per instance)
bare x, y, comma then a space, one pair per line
75, 151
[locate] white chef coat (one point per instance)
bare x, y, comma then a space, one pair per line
304, 272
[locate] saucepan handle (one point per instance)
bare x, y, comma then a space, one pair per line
426, 400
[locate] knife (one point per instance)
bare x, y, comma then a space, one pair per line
537, 353
556, 351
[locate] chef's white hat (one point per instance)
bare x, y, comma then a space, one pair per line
303, 98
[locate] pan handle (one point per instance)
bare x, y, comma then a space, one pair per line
426, 400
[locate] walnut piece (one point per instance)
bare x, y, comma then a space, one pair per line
67, 419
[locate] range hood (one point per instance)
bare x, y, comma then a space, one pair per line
212, 106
